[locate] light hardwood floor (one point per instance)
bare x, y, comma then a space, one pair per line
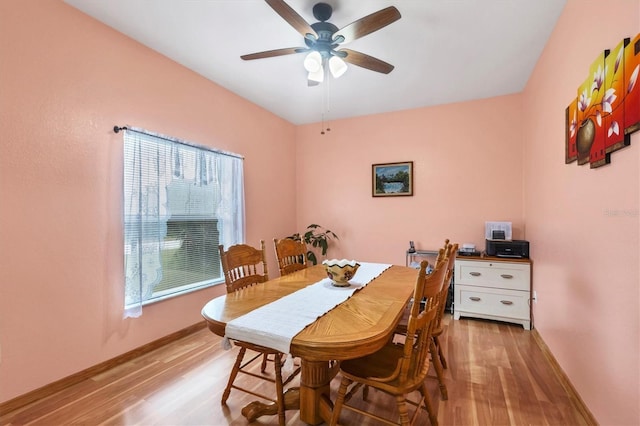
497, 375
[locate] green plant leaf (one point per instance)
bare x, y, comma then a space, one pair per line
308, 237
295, 237
325, 246
317, 237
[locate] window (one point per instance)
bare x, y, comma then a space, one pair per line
180, 202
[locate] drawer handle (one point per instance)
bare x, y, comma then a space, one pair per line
475, 274
475, 298
506, 302
507, 276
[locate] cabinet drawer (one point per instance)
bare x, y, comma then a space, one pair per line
514, 276
494, 302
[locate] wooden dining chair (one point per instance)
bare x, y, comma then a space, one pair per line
447, 255
398, 369
438, 328
291, 255
437, 355
244, 266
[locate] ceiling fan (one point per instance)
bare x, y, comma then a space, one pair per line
323, 40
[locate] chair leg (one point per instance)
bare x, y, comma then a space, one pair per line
232, 376
427, 402
443, 360
265, 358
438, 367
277, 360
401, 402
337, 406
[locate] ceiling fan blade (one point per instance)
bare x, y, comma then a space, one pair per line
272, 53
368, 24
365, 61
292, 17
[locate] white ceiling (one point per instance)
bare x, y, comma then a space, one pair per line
443, 51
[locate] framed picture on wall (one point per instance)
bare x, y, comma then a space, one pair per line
392, 179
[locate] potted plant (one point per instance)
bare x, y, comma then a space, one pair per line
317, 237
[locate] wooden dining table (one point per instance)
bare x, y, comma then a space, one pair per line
359, 326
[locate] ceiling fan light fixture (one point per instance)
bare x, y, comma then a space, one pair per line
313, 62
317, 76
337, 66
323, 40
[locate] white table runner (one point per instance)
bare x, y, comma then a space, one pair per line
274, 325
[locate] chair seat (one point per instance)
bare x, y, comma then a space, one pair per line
378, 367
256, 348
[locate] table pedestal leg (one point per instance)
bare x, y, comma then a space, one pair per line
315, 402
257, 409
312, 398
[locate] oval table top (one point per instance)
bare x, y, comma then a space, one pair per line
357, 327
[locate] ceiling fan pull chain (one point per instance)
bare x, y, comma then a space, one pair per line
323, 106
328, 105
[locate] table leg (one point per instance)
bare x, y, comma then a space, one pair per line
315, 401
257, 409
312, 398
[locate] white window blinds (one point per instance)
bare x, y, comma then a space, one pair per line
180, 202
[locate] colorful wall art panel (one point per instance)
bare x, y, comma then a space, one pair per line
606, 109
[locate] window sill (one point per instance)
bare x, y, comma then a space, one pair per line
169, 294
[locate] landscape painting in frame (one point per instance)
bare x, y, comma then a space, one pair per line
606, 110
392, 179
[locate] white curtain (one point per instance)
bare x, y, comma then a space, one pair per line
230, 212
164, 177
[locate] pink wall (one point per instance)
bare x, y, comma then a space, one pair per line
586, 258
467, 170
65, 81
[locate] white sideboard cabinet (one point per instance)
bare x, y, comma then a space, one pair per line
493, 288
